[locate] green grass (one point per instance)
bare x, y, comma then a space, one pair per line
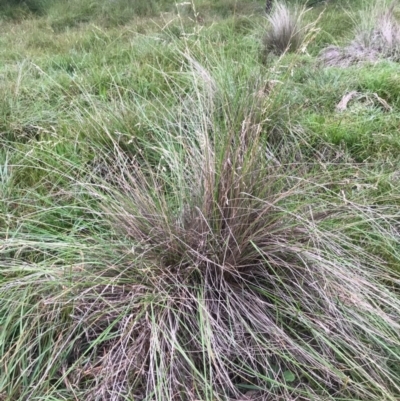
181, 220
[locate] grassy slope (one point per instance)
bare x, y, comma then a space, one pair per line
88, 92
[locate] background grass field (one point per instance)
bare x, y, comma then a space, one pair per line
194, 205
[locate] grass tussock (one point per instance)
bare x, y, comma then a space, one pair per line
286, 31
220, 275
381, 40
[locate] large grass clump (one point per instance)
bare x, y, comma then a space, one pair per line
196, 268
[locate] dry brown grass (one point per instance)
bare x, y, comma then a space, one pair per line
382, 41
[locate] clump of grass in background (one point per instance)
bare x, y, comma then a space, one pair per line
377, 37
286, 31
206, 272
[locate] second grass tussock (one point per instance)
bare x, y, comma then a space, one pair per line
286, 30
